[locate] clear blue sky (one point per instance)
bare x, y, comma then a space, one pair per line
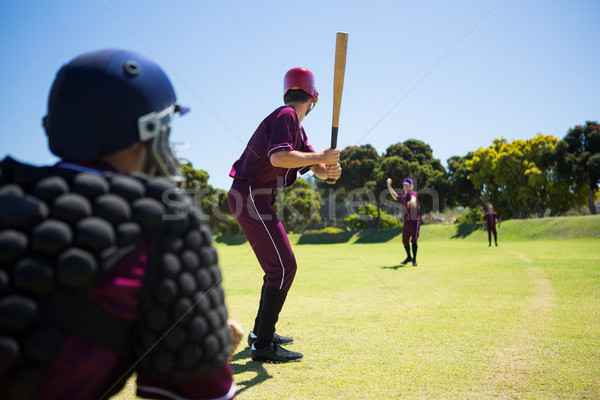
455, 74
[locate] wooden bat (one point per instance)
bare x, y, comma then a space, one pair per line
341, 45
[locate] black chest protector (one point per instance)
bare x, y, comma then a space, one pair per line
61, 232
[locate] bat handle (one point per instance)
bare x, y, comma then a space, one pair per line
334, 136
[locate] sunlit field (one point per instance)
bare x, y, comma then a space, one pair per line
521, 320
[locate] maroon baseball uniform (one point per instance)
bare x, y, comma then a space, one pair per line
490, 219
280, 131
411, 217
251, 196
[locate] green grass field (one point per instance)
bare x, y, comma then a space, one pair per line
518, 321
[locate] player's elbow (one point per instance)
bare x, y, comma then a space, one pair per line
277, 160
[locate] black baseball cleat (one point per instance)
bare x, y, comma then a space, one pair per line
415, 263
407, 260
274, 353
277, 339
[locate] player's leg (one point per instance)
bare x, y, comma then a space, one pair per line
274, 253
489, 230
415, 235
237, 199
251, 334
267, 238
406, 233
495, 235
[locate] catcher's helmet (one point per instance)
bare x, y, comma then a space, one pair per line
303, 79
106, 101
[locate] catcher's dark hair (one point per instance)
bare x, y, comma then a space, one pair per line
296, 95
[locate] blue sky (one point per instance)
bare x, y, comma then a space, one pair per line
455, 74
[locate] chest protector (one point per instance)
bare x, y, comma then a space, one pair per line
61, 232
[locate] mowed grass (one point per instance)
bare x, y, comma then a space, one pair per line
521, 320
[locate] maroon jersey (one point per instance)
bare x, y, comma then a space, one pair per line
491, 219
280, 131
409, 214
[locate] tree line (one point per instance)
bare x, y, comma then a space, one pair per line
521, 178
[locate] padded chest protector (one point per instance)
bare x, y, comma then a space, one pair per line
61, 231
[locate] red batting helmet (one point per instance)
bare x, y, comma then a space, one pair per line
303, 79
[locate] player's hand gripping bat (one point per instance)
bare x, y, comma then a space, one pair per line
341, 44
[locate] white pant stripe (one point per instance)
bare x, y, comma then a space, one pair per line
271, 237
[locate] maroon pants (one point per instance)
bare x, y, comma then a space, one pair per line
492, 229
252, 206
410, 229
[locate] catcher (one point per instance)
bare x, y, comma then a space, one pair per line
105, 267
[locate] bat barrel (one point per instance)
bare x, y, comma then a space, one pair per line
341, 45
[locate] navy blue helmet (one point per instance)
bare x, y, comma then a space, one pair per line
106, 101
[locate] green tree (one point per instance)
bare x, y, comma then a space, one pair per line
578, 160
359, 165
514, 176
298, 206
461, 191
213, 202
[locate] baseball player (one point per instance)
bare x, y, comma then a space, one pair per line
410, 216
489, 222
275, 153
97, 279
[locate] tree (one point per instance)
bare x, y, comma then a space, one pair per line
359, 165
461, 192
515, 177
213, 202
298, 206
197, 180
578, 160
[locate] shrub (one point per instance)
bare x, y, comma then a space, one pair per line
366, 217
473, 216
329, 229
325, 236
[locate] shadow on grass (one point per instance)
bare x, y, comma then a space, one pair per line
464, 230
241, 363
325, 238
377, 235
395, 267
231, 240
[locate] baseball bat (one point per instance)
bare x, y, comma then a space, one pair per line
341, 45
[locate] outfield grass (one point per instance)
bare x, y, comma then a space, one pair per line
521, 320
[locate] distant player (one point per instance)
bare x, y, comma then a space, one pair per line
410, 216
490, 219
